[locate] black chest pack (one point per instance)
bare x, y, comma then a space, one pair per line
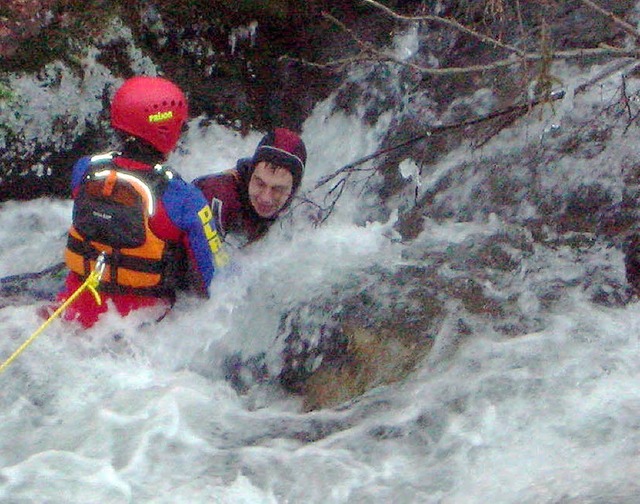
114, 204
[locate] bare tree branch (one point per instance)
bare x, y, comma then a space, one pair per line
373, 55
622, 24
449, 22
370, 54
543, 56
351, 167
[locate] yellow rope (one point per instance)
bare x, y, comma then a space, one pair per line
91, 283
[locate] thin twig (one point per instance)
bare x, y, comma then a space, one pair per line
606, 73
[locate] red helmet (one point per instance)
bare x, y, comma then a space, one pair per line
151, 108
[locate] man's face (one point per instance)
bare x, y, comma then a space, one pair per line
269, 188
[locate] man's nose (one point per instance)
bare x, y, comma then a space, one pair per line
266, 195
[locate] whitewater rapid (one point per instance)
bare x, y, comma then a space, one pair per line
131, 413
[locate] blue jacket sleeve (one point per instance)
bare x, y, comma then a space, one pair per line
79, 169
186, 207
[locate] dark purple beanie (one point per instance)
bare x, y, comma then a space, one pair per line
284, 148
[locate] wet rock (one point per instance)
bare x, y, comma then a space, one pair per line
21, 20
365, 339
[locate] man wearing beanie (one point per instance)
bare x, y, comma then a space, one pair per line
249, 198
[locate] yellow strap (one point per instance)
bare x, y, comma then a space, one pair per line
91, 283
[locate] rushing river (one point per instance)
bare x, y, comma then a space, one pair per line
125, 413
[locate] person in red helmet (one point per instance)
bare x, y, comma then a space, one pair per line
249, 198
154, 230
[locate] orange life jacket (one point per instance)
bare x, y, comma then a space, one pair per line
111, 213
